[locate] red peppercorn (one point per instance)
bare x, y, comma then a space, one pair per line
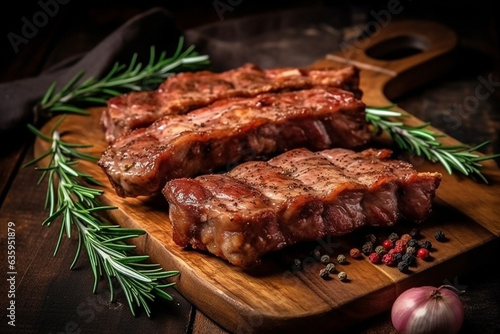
374, 258
389, 259
401, 249
423, 253
399, 246
400, 242
387, 244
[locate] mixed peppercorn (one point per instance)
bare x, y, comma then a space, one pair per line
400, 251
395, 251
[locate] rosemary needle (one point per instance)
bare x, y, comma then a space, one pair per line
421, 141
70, 199
76, 95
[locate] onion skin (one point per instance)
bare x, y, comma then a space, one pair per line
427, 310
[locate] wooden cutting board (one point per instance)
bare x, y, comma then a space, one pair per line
277, 296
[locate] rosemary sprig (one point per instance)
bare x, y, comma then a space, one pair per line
75, 95
421, 141
70, 199
69, 196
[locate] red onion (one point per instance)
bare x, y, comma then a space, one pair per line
427, 310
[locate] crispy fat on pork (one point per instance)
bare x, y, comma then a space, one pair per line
187, 91
232, 131
259, 207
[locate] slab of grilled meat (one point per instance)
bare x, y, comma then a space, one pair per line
187, 91
259, 207
232, 131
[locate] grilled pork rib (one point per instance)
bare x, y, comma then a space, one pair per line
260, 207
231, 131
187, 91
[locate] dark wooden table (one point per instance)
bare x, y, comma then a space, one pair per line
50, 298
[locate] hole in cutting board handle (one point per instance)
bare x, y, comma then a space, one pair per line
398, 47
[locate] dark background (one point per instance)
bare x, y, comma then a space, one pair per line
79, 25
473, 20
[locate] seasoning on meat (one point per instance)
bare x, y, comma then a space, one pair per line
260, 207
232, 131
187, 91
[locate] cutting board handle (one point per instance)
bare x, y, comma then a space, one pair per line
405, 54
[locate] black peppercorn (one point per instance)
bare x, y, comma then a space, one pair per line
415, 233
439, 236
411, 250
367, 248
409, 258
426, 244
297, 264
341, 258
325, 259
397, 257
393, 237
380, 250
371, 238
317, 254
403, 266
413, 243
324, 274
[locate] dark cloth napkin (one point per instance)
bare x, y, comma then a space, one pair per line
290, 38
18, 98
